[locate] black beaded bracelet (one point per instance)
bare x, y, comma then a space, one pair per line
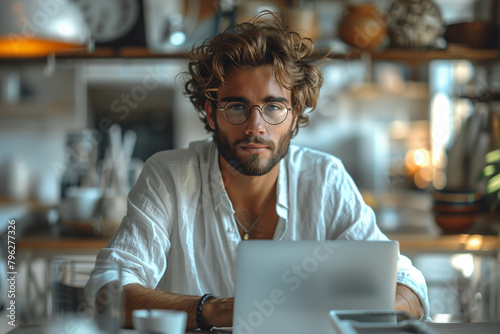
199, 318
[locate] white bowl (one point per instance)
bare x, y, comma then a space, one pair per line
79, 204
159, 321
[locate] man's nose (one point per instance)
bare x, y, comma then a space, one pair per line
255, 123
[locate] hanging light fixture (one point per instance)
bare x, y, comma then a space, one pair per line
35, 28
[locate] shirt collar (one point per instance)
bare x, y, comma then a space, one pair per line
282, 191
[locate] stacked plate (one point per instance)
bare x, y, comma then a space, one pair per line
455, 210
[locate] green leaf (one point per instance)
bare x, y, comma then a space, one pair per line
493, 184
492, 157
489, 170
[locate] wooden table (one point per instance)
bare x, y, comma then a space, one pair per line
441, 328
469, 328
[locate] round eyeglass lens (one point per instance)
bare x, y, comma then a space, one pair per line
272, 112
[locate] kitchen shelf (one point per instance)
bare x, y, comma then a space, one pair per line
126, 52
422, 56
447, 243
102, 53
23, 109
409, 56
458, 243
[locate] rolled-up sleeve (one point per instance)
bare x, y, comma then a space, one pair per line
413, 278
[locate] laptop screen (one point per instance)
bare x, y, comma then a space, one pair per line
290, 286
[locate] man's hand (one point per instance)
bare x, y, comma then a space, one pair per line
219, 312
408, 301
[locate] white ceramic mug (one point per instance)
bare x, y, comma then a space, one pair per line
159, 321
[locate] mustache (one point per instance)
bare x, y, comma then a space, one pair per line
256, 140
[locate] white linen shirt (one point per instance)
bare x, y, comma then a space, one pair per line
180, 234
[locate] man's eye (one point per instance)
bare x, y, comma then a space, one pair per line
273, 107
236, 107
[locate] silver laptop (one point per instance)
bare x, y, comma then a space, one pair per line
290, 286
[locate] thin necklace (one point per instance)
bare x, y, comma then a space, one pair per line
247, 231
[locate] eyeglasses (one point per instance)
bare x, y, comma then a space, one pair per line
238, 113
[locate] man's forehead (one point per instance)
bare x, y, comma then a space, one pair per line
249, 79
269, 98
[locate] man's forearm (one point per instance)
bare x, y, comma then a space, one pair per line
408, 301
216, 312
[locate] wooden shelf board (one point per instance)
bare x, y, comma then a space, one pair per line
426, 55
447, 243
412, 56
48, 243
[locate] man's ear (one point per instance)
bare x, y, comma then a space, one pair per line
209, 109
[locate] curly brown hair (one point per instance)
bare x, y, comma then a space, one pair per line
262, 40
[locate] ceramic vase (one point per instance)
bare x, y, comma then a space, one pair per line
455, 210
414, 24
362, 26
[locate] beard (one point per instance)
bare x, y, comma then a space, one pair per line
255, 164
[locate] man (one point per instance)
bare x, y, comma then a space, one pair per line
191, 208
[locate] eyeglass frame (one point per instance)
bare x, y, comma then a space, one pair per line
250, 108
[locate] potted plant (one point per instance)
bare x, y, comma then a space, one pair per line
491, 170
